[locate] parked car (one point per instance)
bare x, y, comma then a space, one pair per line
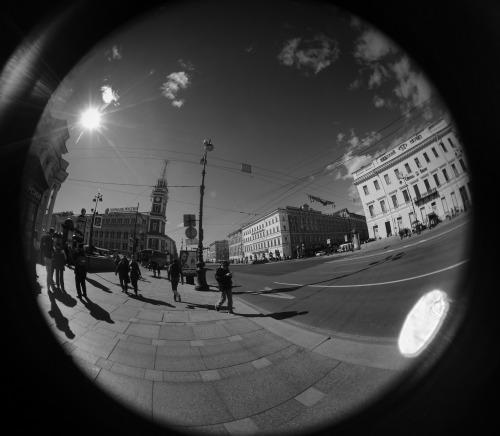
368, 240
320, 253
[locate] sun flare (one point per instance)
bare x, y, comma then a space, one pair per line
91, 119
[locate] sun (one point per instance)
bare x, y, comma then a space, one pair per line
91, 119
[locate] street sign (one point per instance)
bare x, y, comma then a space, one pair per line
191, 233
189, 220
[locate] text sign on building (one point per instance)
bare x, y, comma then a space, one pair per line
123, 209
189, 220
404, 146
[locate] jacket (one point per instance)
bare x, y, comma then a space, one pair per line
123, 267
135, 272
80, 264
222, 279
175, 270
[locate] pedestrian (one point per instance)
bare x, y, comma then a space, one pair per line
153, 266
35, 254
58, 262
175, 272
47, 249
168, 269
135, 273
158, 267
80, 272
224, 279
117, 259
122, 269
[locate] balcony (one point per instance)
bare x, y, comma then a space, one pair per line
426, 197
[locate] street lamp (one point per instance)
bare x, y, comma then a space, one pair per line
200, 266
405, 177
97, 198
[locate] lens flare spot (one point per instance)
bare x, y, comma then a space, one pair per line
91, 119
423, 322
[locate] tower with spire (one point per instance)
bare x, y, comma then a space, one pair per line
156, 238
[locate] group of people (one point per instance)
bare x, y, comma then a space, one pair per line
124, 268
55, 259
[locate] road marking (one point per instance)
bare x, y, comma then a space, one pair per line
266, 293
381, 283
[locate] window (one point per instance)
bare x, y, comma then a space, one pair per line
119, 220
443, 146
382, 206
387, 179
462, 164
445, 174
406, 196
408, 169
111, 235
454, 168
125, 235
156, 208
124, 246
394, 200
426, 158
377, 186
365, 189
435, 152
418, 163
125, 221
417, 192
436, 179
427, 185
451, 143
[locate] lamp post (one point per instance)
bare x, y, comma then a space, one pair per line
405, 177
200, 266
97, 198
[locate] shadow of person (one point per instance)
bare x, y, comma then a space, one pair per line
278, 315
61, 321
96, 311
63, 297
149, 300
98, 285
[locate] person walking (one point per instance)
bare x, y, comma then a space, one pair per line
225, 282
122, 269
58, 262
153, 266
135, 273
175, 272
47, 249
80, 272
170, 262
158, 267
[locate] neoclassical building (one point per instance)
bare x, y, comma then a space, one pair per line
284, 230
45, 172
423, 179
235, 246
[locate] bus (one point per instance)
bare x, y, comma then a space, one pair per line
147, 254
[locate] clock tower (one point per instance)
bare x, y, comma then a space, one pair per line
156, 238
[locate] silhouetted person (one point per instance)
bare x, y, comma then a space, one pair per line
224, 279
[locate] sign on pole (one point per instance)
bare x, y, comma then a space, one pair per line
191, 233
189, 220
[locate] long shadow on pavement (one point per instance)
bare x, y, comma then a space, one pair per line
149, 300
98, 285
96, 311
63, 297
61, 321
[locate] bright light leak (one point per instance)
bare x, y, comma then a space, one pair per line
423, 322
91, 119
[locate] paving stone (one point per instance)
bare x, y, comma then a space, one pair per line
223, 355
310, 397
139, 340
153, 374
125, 311
188, 404
150, 315
253, 392
263, 343
96, 343
285, 353
278, 415
179, 359
210, 375
130, 371
241, 325
117, 326
244, 426
134, 354
261, 363
236, 370
176, 332
144, 330
181, 376
90, 370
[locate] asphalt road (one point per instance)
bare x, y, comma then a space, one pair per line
365, 295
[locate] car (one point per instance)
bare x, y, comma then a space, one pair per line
320, 253
368, 240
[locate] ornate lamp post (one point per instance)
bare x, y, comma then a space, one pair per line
200, 266
97, 198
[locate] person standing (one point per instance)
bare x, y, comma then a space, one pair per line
224, 279
80, 272
175, 272
58, 262
35, 254
122, 270
47, 249
135, 273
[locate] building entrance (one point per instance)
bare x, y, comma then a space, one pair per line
465, 198
388, 227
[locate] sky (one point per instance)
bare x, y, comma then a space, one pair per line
302, 92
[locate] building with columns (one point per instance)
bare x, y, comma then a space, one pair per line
235, 246
45, 172
424, 179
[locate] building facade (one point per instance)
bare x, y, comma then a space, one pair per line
235, 246
218, 251
424, 179
287, 231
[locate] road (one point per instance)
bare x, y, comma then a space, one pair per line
364, 295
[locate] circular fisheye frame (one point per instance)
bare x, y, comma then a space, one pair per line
356, 282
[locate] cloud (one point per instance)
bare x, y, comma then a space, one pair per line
175, 82
412, 88
188, 65
372, 46
113, 54
379, 73
109, 95
316, 53
379, 101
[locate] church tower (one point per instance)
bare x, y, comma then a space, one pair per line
156, 238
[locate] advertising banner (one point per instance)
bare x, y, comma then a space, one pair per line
187, 260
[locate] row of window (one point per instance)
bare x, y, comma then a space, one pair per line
112, 245
110, 234
118, 221
261, 226
408, 169
266, 244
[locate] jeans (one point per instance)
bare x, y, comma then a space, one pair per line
80, 284
60, 278
225, 292
48, 266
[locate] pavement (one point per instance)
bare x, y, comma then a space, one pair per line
186, 366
